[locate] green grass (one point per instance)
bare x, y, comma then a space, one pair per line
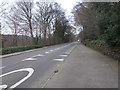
56, 71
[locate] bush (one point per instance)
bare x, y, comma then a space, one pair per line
105, 49
102, 42
18, 49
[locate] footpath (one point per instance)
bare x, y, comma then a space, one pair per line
86, 68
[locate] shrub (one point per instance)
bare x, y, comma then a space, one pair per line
102, 42
18, 49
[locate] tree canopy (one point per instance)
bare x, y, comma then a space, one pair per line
100, 21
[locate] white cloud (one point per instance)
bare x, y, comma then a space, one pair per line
68, 4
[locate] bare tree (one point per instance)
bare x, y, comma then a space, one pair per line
25, 16
13, 24
46, 23
2, 14
2, 17
44, 17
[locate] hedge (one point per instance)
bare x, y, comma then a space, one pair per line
17, 49
113, 52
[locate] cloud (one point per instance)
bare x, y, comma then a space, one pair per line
67, 4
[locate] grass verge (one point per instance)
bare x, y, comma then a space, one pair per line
56, 71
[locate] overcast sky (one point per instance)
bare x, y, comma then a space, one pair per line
67, 5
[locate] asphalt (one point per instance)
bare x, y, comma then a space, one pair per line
33, 69
86, 68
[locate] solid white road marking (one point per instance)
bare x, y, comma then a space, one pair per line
46, 52
3, 87
30, 70
58, 59
29, 59
63, 55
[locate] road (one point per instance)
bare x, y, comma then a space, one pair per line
32, 69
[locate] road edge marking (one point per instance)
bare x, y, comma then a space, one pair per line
30, 70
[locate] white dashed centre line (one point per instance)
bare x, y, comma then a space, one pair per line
47, 52
63, 55
59, 60
40, 55
51, 50
29, 59
57, 48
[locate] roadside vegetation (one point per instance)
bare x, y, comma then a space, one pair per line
18, 49
56, 71
35, 24
100, 26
